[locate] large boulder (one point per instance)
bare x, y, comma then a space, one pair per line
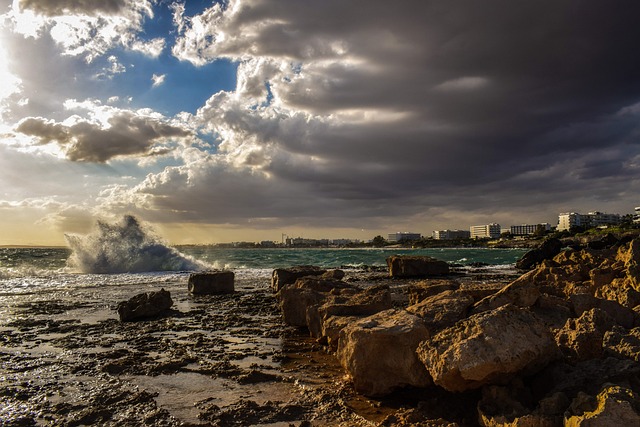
211, 283
379, 352
547, 250
615, 406
443, 309
280, 277
145, 305
363, 302
488, 348
521, 293
416, 266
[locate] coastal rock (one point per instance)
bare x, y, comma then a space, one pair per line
500, 406
211, 283
416, 266
331, 327
487, 348
614, 406
581, 338
359, 303
547, 250
623, 343
281, 277
621, 315
296, 299
428, 288
521, 293
379, 352
145, 305
443, 309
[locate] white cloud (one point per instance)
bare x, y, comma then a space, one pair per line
158, 79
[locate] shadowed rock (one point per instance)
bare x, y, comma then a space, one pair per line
416, 266
212, 283
146, 305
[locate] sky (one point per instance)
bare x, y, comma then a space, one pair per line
247, 120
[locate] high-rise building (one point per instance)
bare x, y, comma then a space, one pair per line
529, 229
569, 220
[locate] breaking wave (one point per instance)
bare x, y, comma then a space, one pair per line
126, 247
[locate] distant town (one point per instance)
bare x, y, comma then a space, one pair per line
569, 223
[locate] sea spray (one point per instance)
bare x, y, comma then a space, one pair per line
127, 247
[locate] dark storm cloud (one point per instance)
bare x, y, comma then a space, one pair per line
85, 141
62, 7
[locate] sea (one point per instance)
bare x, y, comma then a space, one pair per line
129, 254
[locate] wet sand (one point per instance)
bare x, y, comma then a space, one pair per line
66, 360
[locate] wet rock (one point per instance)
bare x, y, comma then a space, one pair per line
581, 338
547, 250
146, 305
378, 352
442, 310
614, 406
416, 266
280, 277
488, 348
211, 283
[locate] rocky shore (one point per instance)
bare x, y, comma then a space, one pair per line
414, 345
558, 346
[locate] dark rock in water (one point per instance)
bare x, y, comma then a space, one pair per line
146, 305
547, 250
416, 266
212, 283
287, 276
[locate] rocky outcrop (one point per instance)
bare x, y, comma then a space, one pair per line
443, 309
281, 277
547, 250
581, 338
614, 406
146, 305
622, 343
519, 293
428, 288
488, 348
211, 283
379, 352
416, 266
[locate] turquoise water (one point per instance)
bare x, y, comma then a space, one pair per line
55, 259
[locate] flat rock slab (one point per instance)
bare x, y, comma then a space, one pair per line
212, 283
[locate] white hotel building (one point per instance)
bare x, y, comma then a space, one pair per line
489, 231
568, 220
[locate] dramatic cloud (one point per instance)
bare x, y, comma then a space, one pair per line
122, 133
355, 114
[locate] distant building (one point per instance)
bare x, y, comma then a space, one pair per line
451, 234
569, 220
529, 229
404, 237
636, 216
488, 231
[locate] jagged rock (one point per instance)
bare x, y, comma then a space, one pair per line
604, 242
416, 266
442, 310
379, 352
145, 305
547, 250
333, 275
487, 348
623, 343
280, 277
211, 283
581, 338
428, 288
500, 406
621, 315
295, 300
615, 406
360, 303
521, 293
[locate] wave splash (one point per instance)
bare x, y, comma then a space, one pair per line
125, 248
